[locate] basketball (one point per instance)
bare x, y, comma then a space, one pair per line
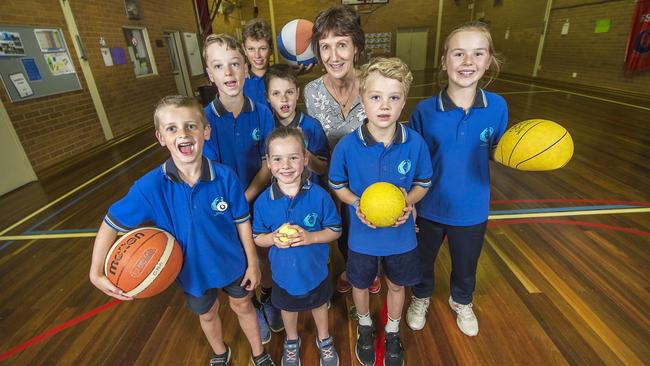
294, 42
535, 145
382, 203
144, 262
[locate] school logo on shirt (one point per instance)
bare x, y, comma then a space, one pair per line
257, 134
219, 206
404, 167
486, 134
310, 220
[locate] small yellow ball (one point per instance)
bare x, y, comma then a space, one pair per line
285, 229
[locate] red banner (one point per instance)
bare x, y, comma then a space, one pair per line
638, 46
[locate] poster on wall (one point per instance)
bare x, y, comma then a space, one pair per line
638, 46
21, 84
11, 44
33, 73
49, 40
59, 63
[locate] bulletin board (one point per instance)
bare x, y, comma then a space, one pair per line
35, 62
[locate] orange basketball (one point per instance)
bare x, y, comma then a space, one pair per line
144, 262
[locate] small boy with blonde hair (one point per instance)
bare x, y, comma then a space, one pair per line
381, 150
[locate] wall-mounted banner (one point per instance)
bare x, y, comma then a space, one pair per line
638, 46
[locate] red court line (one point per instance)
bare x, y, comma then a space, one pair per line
569, 222
570, 200
380, 343
48, 333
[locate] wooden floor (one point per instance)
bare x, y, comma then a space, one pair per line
556, 286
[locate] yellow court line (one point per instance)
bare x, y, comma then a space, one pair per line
529, 92
523, 279
568, 213
580, 94
77, 189
491, 217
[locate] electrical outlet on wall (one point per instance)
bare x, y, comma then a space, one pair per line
574, 75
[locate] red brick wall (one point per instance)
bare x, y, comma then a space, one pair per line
56, 128
596, 58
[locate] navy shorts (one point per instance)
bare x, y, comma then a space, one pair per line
201, 305
320, 295
401, 269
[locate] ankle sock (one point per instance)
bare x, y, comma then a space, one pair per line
392, 325
364, 319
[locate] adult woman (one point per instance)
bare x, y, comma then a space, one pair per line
333, 99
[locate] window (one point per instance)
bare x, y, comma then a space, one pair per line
139, 49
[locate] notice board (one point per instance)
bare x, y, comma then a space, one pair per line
35, 62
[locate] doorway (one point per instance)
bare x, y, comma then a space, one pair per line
412, 47
178, 63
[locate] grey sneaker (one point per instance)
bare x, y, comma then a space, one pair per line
291, 353
328, 355
222, 359
394, 355
263, 360
365, 348
416, 315
273, 317
465, 317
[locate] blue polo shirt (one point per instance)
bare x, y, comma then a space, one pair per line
301, 269
202, 218
460, 144
359, 161
315, 139
255, 89
238, 142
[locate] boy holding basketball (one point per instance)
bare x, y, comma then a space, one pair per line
202, 204
381, 150
239, 127
282, 94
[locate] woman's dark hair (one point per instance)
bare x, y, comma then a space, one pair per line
340, 20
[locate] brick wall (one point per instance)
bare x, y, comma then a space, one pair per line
53, 128
56, 128
596, 58
128, 100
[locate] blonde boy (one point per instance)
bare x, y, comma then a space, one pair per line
381, 150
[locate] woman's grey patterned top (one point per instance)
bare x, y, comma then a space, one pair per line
322, 106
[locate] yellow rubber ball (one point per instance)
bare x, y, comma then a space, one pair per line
382, 203
286, 230
535, 145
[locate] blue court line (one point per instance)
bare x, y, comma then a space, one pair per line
561, 209
66, 206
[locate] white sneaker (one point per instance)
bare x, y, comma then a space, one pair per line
465, 318
416, 315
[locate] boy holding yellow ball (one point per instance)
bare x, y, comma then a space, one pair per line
381, 150
296, 219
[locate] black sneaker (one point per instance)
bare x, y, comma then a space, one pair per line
222, 359
263, 360
365, 348
394, 355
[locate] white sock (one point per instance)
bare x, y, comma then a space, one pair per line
392, 326
365, 319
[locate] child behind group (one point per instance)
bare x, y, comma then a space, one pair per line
462, 125
283, 93
381, 150
258, 45
217, 244
299, 260
239, 128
